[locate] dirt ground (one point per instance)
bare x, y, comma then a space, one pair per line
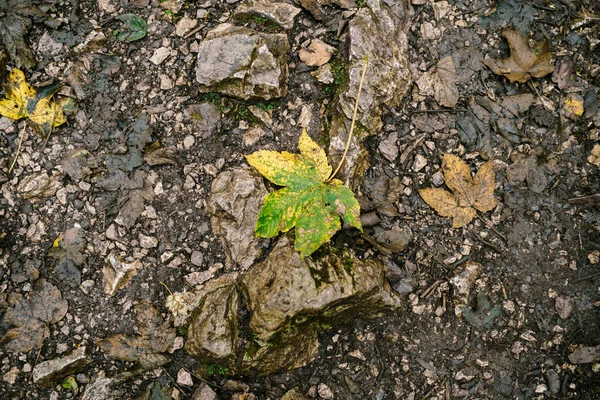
534, 298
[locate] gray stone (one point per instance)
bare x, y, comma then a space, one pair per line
379, 32
286, 290
282, 14
197, 258
462, 282
204, 392
212, 334
325, 392
585, 354
394, 239
235, 200
34, 187
241, 62
52, 371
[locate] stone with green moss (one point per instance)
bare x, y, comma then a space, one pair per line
241, 62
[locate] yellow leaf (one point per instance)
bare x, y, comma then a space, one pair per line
468, 194
23, 101
573, 106
312, 151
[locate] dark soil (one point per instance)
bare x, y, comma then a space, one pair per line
533, 247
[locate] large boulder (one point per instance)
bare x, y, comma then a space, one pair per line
286, 290
241, 62
379, 32
290, 298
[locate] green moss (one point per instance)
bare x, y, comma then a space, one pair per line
212, 97
262, 22
361, 3
338, 70
242, 113
265, 106
209, 370
182, 331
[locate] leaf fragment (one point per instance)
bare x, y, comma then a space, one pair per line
134, 28
524, 62
307, 202
468, 194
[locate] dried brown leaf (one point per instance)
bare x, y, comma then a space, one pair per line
31, 316
524, 62
468, 194
316, 54
156, 336
445, 80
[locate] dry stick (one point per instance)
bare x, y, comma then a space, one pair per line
18, 149
489, 226
362, 78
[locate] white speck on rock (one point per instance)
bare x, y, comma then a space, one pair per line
420, 163
160, 55
148, 242
188, 142
184, 378
324, 391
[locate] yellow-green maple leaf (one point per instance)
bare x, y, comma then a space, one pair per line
308, 201
23, 101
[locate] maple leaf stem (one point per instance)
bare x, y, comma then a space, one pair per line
18, 149
362, 78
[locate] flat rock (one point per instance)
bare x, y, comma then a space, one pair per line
241, 62
235, 200
585, 354
52, 371
286, 287
293, 349
462, 282
212, 333
379, 32
282, 14
204, 392
35, 187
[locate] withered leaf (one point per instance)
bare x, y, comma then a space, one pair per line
440, 82
13, 30
468, 194
524, 62
155, 154
155, 336
563, 71
30, 318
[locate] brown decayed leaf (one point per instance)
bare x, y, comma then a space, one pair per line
468, 194
31, 316
156, 336
445, 89
523, 62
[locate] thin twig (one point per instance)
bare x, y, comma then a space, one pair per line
491, 227
362, 78
18, 149
441, 110
373, 243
